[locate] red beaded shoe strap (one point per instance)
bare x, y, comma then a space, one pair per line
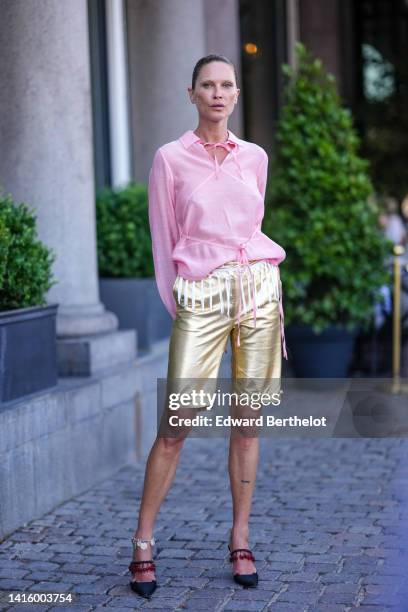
241, 553
141, 566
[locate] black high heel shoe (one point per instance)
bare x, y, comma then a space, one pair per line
245, 580
144, 589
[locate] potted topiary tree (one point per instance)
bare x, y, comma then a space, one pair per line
322, 212
127, 283
28, 361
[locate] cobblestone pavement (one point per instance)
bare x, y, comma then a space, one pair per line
327, 531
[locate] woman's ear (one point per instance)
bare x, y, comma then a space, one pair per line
190, 94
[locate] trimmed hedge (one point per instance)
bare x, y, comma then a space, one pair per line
25, 262
123, 232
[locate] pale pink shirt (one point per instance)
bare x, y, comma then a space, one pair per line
203, 213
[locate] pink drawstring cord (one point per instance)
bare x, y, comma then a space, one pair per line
244, 262
235, 156
282, 319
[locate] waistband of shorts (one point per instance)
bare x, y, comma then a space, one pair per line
233, 264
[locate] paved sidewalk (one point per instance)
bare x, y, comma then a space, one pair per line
328, 532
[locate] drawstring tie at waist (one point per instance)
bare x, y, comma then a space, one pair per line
244, 263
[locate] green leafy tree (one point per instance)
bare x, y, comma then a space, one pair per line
25, 262
321, 207
124, 242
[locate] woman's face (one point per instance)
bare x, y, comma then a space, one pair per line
215, 93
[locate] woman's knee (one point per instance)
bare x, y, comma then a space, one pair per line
244, 442
170, 445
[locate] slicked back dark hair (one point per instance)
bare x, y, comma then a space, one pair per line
213, 57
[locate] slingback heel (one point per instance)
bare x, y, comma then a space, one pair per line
144, 589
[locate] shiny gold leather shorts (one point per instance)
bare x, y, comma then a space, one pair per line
206, 317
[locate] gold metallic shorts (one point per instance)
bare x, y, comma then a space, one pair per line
206, 317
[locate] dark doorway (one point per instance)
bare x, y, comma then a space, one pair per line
382, 91
263, 50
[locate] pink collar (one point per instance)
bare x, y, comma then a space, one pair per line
189, 137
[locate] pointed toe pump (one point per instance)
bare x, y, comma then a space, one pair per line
144, 589
245, 580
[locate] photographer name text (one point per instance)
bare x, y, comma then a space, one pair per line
259, 421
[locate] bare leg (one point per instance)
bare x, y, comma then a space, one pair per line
160, 471
242, 464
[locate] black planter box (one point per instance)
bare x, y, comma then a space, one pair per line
137, 304
324, 355
28, 351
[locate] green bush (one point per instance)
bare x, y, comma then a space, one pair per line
25, 262
320, 206
124, 242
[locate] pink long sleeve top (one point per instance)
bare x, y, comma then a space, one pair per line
203, 213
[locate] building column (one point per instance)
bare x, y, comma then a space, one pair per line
319, 23
46, 146
118, 93
165, 40
292, 27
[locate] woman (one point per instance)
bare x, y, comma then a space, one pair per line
206, 204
